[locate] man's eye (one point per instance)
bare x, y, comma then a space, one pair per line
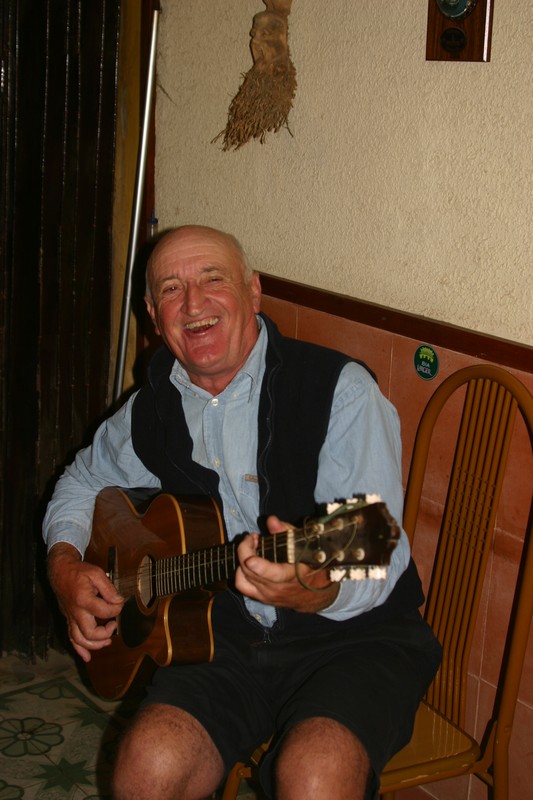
171, 288
210, 280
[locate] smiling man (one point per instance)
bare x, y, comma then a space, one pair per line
268, 427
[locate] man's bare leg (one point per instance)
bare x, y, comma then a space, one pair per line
166, 754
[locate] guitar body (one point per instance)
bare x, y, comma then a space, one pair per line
152, 630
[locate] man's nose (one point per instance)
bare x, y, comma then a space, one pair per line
193, 297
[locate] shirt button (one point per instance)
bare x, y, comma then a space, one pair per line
216, 462
214, 401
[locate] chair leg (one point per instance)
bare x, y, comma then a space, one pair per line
233, 781
500, 775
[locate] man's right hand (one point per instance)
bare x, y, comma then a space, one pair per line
86, 597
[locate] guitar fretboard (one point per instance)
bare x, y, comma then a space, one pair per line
203, 567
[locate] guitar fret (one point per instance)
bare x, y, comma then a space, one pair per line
187, 571
198, 567
165, 578
202, 565
198, 570
208, 565
168, 576
175, 575
191, 569
180, 575
159, 580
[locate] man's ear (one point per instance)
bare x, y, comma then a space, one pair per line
151, 311
255, 291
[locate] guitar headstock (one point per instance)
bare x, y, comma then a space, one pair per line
353, 539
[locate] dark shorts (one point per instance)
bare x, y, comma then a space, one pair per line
370, 680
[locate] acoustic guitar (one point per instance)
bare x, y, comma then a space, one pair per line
168, 558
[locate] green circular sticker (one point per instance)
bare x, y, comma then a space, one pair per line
426, 362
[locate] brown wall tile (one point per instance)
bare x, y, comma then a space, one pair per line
359, 341
284, 314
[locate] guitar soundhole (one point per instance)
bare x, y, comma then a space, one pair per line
145, 582
135, 628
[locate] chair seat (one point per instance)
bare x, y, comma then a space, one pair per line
437, 748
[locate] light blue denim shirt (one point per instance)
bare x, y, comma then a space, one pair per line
361, 454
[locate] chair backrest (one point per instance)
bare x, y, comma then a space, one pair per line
492, 397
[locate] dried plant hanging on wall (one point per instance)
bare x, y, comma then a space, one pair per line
265, 96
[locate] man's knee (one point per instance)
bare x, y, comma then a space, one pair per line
322, 758
166, 753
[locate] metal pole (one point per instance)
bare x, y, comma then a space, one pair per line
136, 212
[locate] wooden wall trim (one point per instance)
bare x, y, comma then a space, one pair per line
429, 331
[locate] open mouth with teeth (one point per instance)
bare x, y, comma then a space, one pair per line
201, 325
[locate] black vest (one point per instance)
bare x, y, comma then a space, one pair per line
294, 409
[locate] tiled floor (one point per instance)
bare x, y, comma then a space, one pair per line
57, 740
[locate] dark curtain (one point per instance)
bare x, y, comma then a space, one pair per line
58, 109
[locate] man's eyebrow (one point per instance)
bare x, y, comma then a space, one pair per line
206, 268
214, 268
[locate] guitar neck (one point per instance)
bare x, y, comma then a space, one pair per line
213, 564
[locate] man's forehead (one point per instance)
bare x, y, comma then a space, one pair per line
176, 251
192, 246
188, 255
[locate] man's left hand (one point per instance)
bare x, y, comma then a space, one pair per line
277, 584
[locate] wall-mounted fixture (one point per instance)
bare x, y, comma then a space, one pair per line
459, 30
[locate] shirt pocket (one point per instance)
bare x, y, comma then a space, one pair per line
249, 487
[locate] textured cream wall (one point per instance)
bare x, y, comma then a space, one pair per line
406, 182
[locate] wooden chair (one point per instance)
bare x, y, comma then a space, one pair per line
440, 747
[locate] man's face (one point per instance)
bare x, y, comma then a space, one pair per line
201, 305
